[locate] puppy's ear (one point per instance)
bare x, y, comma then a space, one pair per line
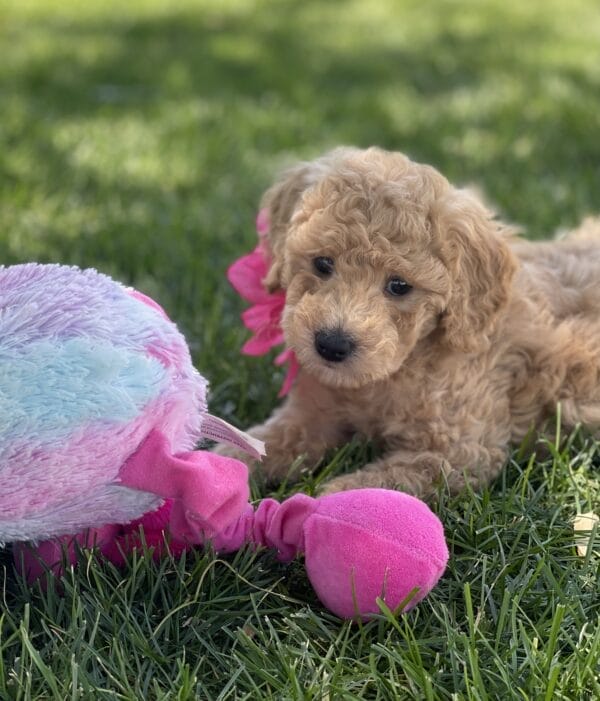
281, 201
284, 198
481, 266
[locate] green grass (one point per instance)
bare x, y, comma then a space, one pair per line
137, 137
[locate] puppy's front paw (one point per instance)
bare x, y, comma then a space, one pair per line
280, 466
420, 476
355, 480
276, 467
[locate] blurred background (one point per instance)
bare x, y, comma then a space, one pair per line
137, 137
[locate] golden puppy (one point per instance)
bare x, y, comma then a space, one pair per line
422, 322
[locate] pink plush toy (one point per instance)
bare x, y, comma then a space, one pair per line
101, 409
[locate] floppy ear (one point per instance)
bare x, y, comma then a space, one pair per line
281, 201
284, 198
481, 266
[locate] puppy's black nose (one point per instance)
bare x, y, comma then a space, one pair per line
334, 345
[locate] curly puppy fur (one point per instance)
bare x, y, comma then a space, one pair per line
491, 334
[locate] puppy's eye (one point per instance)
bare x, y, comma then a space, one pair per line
397, 287
323, 265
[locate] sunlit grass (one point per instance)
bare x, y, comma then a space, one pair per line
137, 138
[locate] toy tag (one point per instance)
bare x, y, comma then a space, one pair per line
584, 522
220, 431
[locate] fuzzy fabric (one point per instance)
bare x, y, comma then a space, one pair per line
87, 369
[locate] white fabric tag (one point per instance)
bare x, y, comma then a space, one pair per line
218, 430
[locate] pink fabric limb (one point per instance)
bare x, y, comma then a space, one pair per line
209, 491
274, 525
359, 546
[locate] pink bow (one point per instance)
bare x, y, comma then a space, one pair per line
263, 318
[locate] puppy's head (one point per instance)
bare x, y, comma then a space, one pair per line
378, 254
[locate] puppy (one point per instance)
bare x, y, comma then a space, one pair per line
420, 321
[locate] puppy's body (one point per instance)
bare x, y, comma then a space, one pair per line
434, 330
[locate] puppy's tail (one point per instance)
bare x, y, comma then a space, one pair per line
588, 230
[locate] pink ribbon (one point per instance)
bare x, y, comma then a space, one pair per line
263, 318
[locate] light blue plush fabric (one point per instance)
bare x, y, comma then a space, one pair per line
51, 388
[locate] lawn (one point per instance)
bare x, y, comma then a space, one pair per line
137, 137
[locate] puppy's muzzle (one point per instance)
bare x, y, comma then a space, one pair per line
334, 345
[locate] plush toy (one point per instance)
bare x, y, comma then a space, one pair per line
100, 408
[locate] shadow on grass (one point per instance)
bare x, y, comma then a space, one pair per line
213, 98
286, 58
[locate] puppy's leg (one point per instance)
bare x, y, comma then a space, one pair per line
421, 474
305, 425
293, 432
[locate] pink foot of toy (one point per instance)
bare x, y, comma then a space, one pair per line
359, 546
